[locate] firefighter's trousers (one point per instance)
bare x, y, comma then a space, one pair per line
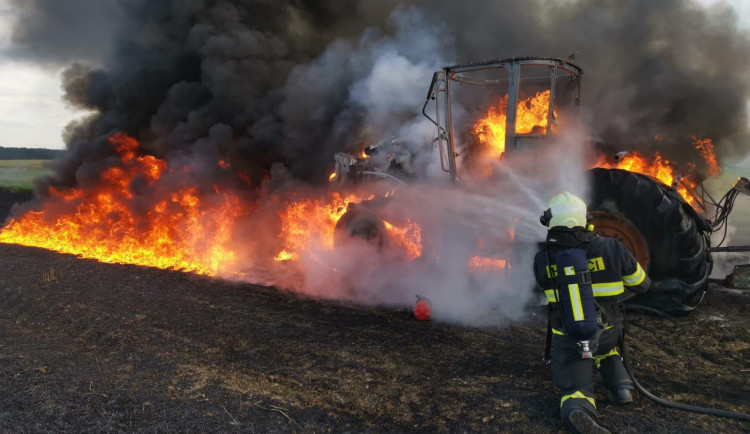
574, 375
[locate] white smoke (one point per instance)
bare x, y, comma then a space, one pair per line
502, 212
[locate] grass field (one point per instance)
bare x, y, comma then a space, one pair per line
20, 173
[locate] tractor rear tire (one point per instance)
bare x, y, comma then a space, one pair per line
677, 237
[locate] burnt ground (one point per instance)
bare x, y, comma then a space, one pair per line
91, 347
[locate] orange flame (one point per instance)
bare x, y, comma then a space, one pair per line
531, 117
105, 223
184, 228
309, 223
664, 170
285, 255
706, 148
486, 264
658, 168
409, 237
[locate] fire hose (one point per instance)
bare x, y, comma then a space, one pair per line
693, 408
723, 208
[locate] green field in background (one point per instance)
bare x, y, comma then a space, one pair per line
21, 173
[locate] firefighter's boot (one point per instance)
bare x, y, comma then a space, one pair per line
581, 422
620, 396
616, 378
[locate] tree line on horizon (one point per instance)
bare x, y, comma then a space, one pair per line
29, 153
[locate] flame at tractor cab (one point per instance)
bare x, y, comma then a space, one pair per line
531, 117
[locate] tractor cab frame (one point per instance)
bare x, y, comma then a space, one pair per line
513, 82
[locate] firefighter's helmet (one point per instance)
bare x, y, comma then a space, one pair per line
565, 209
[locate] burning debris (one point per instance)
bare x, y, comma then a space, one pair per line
666, 171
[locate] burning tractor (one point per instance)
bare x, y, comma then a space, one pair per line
528, 99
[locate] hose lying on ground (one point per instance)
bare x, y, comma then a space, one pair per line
712, 411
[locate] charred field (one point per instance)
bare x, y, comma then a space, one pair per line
97, 347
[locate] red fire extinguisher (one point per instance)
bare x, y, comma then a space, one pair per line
422, 309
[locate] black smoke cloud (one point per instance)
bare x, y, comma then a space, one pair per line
289, 83
51, 32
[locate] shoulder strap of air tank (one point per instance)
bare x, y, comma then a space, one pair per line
548, 341
587, 274
586, 249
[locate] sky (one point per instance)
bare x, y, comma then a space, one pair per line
33, 114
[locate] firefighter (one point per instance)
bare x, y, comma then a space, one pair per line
615, 275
